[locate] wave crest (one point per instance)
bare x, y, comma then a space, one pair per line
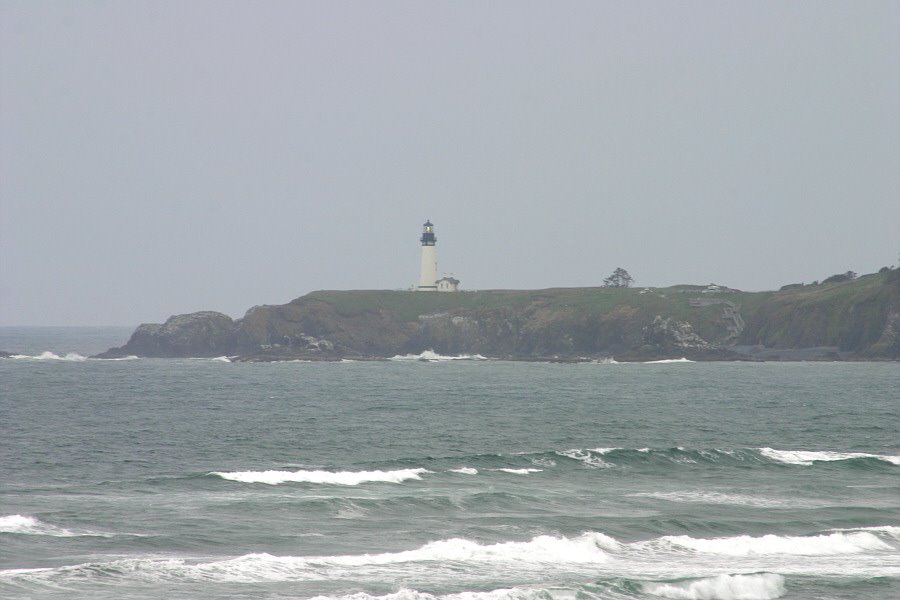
807, 457
322, 477
525, 471
819, 545
47, 355
465, 470
25, 525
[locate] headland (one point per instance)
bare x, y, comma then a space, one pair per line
853, 319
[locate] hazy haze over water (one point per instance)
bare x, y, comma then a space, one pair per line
165, 157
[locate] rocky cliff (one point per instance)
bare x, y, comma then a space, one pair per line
852, 319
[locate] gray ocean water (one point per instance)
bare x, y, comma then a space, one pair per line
460, 479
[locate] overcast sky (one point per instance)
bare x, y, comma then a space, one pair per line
165, 157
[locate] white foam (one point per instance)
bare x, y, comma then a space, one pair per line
18, 524
402, 594
819, 545
760, 586
432, 356
807, 457
129, 357
525, 471
408, 594
465, 471
221, 359
23, 524
589, 547
323, 477
605, 450
667, 361
71, 356
590, 553
586, 549
585, 456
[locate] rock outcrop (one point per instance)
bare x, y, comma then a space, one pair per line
200, 334
669, 335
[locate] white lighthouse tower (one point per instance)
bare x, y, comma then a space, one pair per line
428, 270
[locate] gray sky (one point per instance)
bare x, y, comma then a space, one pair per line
165, 157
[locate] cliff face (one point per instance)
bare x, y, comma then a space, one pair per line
856, 319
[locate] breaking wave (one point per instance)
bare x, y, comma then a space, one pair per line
612, 457
408, 594
808, 457
590, 552
667, 360
589, 548
71, 356
525, 471
854, 542
465, 471
759, 586
25, 525
322, 477
432, 356
588, 457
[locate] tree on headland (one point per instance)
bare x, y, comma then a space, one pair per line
619, 278
840, 277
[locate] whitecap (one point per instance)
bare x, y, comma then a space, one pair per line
589, 547
818, 545
409, 594
586, 457
807, 457
322, 477
586, 549
432, 356
47, 355
22, 524
27, 525
525, 471
605, 450
465, 471
667, 361
759, 586
221, 359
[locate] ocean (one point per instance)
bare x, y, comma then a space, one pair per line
463, 479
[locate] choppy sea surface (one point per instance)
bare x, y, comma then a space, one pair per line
462, 479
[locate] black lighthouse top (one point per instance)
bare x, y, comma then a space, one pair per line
428, 238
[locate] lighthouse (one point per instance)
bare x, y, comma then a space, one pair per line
428, 269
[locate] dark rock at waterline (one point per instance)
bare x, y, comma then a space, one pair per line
199, 334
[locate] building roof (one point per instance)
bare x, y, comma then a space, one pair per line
428, 223
450, 279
